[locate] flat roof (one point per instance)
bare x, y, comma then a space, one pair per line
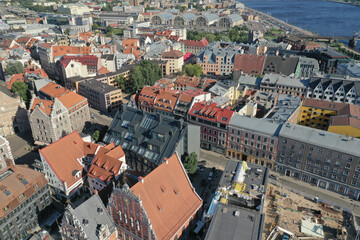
98, 86
233, 223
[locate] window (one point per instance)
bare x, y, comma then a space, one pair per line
347, 166
284, 141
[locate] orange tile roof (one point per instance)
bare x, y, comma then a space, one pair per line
133, 50
62, 156
15, 78
131, 42
54, 90
103, 70
71, 99
44, 105
173, 54
107, 163
16, 187
85, 36
185, 80
59, 51
168, 197
166, 100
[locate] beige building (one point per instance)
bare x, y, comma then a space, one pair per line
5, 152
59, 113
175, 59
13, 113
74, 9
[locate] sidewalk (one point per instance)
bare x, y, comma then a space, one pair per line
328, 196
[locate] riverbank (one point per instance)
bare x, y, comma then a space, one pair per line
356, 4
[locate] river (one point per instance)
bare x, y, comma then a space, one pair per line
321, 17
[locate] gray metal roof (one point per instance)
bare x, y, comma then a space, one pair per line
235, 17
321, 138
255, 125
210, 16
166, 15
278, 79
189, 16
95, 213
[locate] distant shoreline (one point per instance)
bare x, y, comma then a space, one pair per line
343, 2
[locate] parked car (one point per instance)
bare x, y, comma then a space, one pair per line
273, 176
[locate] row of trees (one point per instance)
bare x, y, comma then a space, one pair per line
236, 34
146, 73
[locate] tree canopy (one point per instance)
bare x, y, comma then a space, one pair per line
22, 89
192, 70
95, 135
14, 68
146, 73
190, 163
236, 34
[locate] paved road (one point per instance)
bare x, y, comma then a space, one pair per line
219, 161
100, 118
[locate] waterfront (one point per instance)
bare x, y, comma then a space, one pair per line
321, 17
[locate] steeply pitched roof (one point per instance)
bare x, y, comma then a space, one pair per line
54, 90
15, 78
173, 54
44, 105
71, 99
250, 64
166, 100
168, 197
95, 214
62, 156
280, 65
211, 112
107, 163
192, 43
59, 51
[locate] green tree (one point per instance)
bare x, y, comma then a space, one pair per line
190, 163
14, 68
192, 70
107, 8
67, 31
95, 26
95, 135
146, 73
121, 80
22, 89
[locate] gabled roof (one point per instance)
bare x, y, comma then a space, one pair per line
94, 214
44, 105
211, 112
173, 54
193, 43
103, 70
280, 65
250, 64
166, 100
15, 78
59, 51
63, 155
168, 198
107, 163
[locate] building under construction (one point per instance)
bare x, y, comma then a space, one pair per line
236, 211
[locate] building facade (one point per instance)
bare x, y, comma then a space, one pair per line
5, 152
25, 193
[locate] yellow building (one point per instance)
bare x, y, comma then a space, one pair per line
341, 118
317, 113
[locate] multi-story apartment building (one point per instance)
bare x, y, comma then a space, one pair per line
249, 64
275, 83
324, 159
334, 89
5, 152
281, 65
329, 60
175, 59
90, 220
308, 67
213, 122
101, 96
63, 161
25, 193
49, 120
148, 138
195, 47
162, 205
253, 140
218, 58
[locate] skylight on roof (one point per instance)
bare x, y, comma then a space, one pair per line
147, 121
224, 119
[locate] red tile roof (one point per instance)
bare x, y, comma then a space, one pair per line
131, 42
44, 105
71, 99
63, 155
188, 81
54, 90
316, 103
166, 100
103, 70
107, 163
211, 112
193, 43
59, 51
168, 198
15, 78
173, 54
250, 64
88, 60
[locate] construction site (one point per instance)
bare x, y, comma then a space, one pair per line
292, 216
